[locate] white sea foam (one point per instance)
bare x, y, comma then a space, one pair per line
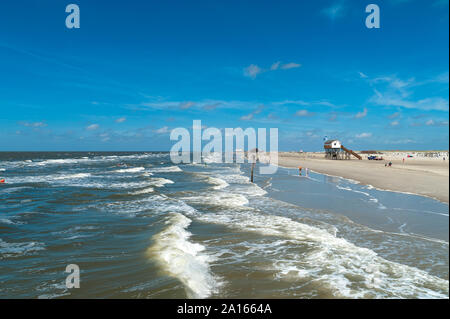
59, 178
13, 189
9, 221
212, 158
218, 182
219, 198
71, 176
184, 259
371, 198
6, 221
57, 161
18, 249
234, 178
143, 191
149, 205
160, 182
332, 261
146, 174
130, 170
167, 169
249, 190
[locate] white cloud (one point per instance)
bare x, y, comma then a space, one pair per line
290, 65
428, 104
211, 106
394, 123
105, 137
325, 103
250, 116
362, 114
302, 113
186, 105
394, 115
92, 127
252, 71
362, 75
441, 78
247, 117
298, 102
33, 124
275, 66
436, 123
163, 130
121, 120
363, 135
398, 92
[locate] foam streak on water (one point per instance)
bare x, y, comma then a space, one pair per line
184, 259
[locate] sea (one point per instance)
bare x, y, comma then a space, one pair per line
139, 226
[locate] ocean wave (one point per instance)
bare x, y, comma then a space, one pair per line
130, 170
344, 268
159, 181
143, 191
57, 161
371, 198
146, 174
110, 184
10, 190
212, 158
218, 199
8, 250
183, 259
8, 221
167, 169
218, 182
47, 178
150, 205
71, 176
234, 178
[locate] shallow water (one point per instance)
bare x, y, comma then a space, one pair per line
139, 226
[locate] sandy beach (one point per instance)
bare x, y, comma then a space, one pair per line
422, 176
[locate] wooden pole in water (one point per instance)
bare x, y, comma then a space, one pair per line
253, 166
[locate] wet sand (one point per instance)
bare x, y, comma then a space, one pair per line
427, 177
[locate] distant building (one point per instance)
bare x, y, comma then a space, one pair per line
332, 144
335, 150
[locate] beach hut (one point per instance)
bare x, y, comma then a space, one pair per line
332, 149
335, 150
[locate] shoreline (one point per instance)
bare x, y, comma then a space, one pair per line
371, 186
407, 179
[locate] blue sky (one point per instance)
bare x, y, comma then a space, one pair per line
137, 69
